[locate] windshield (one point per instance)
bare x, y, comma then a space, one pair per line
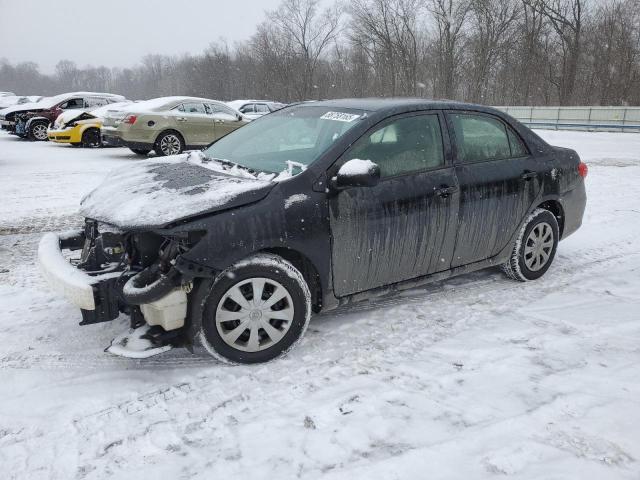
287, 141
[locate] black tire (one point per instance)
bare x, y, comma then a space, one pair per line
38, 131
169, 143
272, 270
91, 138
140, 151
534, 251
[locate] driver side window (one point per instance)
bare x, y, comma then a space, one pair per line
406, 145
73, 103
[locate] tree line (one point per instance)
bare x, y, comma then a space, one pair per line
498, 52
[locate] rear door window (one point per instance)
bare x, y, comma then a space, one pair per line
94, 102
195, 108
480, 138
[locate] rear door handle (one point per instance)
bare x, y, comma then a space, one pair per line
445, 192
181, 119
528, 175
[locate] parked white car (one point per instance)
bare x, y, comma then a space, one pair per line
255, 108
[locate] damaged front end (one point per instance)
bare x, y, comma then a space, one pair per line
106, 272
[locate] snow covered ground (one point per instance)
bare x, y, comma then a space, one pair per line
476, 377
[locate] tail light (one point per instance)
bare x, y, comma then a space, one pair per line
583, 170
130, 119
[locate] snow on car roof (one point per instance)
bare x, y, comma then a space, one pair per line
48, 102
157, 104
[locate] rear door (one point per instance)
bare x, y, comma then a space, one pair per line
499, 181
404, 227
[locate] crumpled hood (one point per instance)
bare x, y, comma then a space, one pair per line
24, 107
153, 193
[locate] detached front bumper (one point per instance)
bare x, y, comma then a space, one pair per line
94, 294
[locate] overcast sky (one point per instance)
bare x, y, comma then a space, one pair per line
120, 32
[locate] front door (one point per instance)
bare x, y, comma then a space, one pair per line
499, 181
195, 125
404, 227
225, 120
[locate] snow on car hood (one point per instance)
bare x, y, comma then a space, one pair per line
153, 193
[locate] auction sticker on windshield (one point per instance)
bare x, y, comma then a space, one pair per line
339, 116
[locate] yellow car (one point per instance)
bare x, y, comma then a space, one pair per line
80, 128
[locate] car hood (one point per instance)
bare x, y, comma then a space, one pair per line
23, 107
154, 193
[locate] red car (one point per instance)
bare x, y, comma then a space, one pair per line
31, 120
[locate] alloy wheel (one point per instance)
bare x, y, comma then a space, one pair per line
39, 131
170, 145
254, 314
538, 246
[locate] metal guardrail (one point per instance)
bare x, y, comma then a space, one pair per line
612, 119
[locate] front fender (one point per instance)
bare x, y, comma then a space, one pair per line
33, 119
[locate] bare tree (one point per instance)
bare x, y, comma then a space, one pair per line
566, 17
311, 32
492, 22
451, 17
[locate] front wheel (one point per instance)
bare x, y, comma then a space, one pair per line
256, 310
38, 131
91, 138
169, 143
535, 247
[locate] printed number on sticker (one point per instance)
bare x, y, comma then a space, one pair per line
339, 116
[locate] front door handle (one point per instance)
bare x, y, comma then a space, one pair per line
181, 119
446, 191
527, 175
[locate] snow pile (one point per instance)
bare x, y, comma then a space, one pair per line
476, 377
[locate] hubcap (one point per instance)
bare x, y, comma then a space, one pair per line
40, 132
537, 248
170, 145
254, 314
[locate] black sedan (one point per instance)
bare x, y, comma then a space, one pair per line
311, 207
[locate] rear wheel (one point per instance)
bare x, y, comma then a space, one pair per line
140, 151
38, 131
169, 143
535, 247
91, 138
256, 310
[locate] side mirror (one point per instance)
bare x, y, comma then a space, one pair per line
356, 173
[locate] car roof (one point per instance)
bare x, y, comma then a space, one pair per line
398, 104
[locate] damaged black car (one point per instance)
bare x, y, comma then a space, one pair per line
308, 208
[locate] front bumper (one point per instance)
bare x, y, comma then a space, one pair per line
7, 123
94, 294
65, 135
